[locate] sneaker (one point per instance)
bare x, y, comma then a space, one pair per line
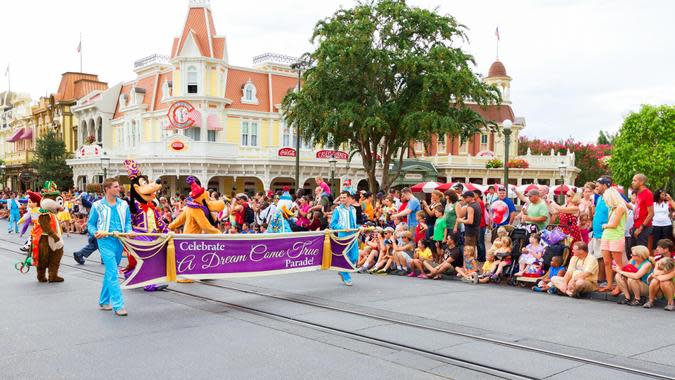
78, 258
669, 308
623, 301
372, 270
411, 274
362, 270
648, 305
552, 291
474, 279
537, 289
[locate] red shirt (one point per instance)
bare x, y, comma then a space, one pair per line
645, 199
483, 223
404, 219
419, 234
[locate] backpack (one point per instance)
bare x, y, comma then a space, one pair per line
551, 251
249, 215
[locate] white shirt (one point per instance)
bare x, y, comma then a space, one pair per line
661, 217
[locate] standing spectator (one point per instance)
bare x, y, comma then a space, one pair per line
663, 226
471, 220
491, 195
450, 212
537, 211
429, 214
644, 211
586, 207
613, 240
512, 211
581, 275
483, 225
600, 217
411, 209
569, 215
396, 197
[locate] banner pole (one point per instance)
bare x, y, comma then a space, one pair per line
170, 260
327, 258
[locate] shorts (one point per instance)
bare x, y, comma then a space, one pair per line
407, 258
594, 248
613, 245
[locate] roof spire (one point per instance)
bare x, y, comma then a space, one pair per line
200, 4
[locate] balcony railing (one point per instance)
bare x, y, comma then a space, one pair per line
151, 60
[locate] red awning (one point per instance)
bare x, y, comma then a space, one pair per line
16, 135
212, 123
27, 134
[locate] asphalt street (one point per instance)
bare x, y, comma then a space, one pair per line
56, 331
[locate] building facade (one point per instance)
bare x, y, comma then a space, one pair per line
18, 141
233, 137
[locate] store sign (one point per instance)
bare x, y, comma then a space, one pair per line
415, 176
177, 146
182, 115
339, 155
286, 152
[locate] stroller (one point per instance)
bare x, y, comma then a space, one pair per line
556, 244
520, 235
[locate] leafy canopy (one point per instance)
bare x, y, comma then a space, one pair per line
384, 74
646, 144
49, 161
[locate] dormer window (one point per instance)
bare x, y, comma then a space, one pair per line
250, 93
123, 100
166, 89
192, 84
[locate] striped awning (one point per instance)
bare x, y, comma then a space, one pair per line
27, 134
212, 123
16, 135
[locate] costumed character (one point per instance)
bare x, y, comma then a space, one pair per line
48, 235
348, 187
280, 220
145, 215
344, 217
30, 218
14, 214
196, 217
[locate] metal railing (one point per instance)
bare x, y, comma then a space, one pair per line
150, 60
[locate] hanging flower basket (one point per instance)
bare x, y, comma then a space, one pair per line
494, 163
90, 139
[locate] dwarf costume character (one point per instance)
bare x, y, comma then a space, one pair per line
47, 235
196, 217
145, 216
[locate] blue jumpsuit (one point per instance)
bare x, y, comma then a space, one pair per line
14, 215
111, 251
345, 218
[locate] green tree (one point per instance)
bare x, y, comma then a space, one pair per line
49, 161
646, 144
606, 138
384, 74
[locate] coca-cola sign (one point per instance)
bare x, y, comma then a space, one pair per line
177, 146
339, 155
286, 152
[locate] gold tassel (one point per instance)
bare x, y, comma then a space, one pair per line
327, 252
170, 260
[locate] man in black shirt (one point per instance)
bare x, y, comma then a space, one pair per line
471, 219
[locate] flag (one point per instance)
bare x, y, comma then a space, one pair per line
497, 33
79, 47
7, 70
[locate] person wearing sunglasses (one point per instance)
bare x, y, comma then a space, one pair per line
568, 214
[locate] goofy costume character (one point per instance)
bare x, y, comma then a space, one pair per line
344, 217
145, 216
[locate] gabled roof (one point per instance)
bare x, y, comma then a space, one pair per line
199, 24
73, 86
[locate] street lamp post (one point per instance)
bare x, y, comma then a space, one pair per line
105, 165
562, 169
297, 66
506, 125
332, 163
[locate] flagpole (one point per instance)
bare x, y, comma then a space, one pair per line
80, 51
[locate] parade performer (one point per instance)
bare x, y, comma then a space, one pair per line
14, 214
145, 216
47, 235
110, 215
280, 220
30, 218
344, 217
196, 217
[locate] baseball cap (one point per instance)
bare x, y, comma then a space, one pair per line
468, 194
388, 229
604, 180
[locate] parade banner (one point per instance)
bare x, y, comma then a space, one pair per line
166, 257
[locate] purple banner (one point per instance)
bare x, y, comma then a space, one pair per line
223, 256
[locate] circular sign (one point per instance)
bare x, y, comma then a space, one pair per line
182, 115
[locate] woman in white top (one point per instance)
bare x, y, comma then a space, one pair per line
663, 225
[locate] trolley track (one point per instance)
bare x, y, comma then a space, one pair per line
460, 362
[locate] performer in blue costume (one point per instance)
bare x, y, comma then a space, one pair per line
279, 222
14, 215
108, 215
344, 217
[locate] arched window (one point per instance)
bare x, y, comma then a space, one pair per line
91, 131
135, 137
192, 80
83, 132
99, 130
249, 93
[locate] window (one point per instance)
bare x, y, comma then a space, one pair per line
464, 148
419, 147
99, 130
442, 149
249, 133
307, 144
483, 139
211, 136
192, 87
286, 135
193, 133
249, 93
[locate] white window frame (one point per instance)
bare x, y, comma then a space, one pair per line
484, 145
250, 133
249, 89
441, 146
287, 135
192, 70
464, 147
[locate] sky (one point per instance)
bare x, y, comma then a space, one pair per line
577, 67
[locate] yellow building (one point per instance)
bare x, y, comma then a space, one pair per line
17, 141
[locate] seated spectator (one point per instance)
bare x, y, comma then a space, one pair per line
451, 257
403, 253
532, 253
383, 250
556, 269
503, 254
422, 255
581, 275
371, 247
664, 248
662, 283
632, 278
469, 271
489, 268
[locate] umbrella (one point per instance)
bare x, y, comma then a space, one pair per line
467, 186
526, 188
424, 187
558, 189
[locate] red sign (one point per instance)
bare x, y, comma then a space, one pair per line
286, 152
177, 145
339, 155
182, 114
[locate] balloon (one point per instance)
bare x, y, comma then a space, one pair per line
499, 212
